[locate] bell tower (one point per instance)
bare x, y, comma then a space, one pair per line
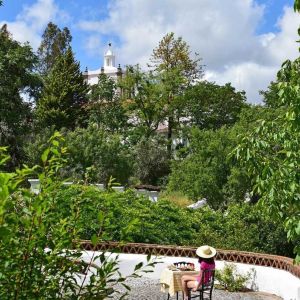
109, 58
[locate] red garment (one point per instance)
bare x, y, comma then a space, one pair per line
206, 266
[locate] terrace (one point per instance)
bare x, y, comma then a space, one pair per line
276, 277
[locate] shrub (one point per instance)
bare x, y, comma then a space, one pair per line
39, 257
137, 219
231, 280
177, 198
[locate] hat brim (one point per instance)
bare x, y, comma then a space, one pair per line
200, 252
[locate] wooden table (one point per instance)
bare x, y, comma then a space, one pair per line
170, 281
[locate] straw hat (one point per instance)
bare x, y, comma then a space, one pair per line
206, 251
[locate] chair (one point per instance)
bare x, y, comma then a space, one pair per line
206, 287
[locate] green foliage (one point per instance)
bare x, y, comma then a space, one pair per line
16, 73
129, 217
231, 280
37, 238
64, 95
271, 154
297, 6
106, 154
204, 171
210, 106
151, 161
105, 107
137, 219
271, 95
35, 145
175, 70
55, 42
142, 97
173, 56
206, 168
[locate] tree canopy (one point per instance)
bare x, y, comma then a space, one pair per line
211, 106
142, 98
175, 69
55, 42
104, 106
17, 82
64, 96
272, 153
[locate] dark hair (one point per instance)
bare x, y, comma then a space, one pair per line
207, 260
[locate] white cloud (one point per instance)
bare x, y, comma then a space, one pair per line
39, 14
283, 45
224, 36
32, 21
255, 75
22, 32
93, 44
248, 76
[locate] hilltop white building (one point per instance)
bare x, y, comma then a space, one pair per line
109, 68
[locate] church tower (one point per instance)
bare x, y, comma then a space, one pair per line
109, 68
109, 58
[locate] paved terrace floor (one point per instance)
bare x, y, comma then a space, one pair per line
149, 289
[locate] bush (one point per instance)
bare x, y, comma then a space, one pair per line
242, 227
137, 219
39, 258
130, 217
231, 280
177, 198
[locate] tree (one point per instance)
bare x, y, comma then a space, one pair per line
176, 70
104, 107
142, 99
63, 99
211, 106
272, 153
271, 95
151, 161
204, 172
55, 42
103, 154
16, 73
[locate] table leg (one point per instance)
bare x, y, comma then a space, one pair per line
168, 296
176, 295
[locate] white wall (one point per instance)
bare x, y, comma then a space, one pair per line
271, 280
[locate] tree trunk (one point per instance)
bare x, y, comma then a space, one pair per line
170, 129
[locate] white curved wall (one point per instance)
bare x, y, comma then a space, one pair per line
271, 280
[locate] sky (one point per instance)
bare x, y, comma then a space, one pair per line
240, 41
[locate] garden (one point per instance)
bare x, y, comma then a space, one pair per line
242, 158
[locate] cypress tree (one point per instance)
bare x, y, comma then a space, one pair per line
63, 99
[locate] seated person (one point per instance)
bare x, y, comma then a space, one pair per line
206, 259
